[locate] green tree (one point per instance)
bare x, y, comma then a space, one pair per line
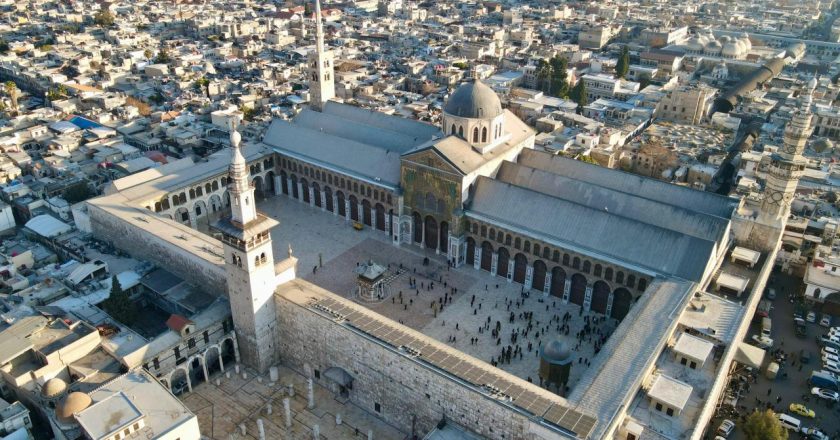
461, 65
763, 425
578, 94
119, 304
147, 54
202, 85
559, 78
163, 57
623, 64
104, 18
4, 45
76, 193
307, 9
543, 74
247, 113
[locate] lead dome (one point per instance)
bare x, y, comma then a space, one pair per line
473, 99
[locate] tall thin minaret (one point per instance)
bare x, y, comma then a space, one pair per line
321, 81
788, 164
249, 265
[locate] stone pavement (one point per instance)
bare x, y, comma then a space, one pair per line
312, 232
237, 400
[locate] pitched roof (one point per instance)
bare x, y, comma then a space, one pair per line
177, 322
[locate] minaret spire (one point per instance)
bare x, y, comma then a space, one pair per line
243, 208
321, 82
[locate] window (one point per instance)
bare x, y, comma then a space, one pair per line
527, 247
693, 365
536, 249
461, 131
191, 343
658, 406
156, 363
317, 373
136, 426
669, 411
206, 337
377, 407
576, 263
177, 352
484, 134
565, 259
683, 361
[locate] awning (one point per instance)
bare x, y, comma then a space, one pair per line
339, 376
750, 355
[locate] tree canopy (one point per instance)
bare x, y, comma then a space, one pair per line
119, 304
104, 18
623, 64
578, 94
763, 425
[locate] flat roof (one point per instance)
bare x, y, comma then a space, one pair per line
747, 255
693, 347
670, 391
733, 282
108, 416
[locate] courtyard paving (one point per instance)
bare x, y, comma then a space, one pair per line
471, 304
242, 399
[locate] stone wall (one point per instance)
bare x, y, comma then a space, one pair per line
406, 390
142, 242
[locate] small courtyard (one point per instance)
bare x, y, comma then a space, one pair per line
468, 309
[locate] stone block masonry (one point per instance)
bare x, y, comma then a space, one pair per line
402, 390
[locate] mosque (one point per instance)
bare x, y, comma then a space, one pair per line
472, 192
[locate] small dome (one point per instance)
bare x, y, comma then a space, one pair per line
473, 99
74, 402
713, 45
53, 388
694, 44
747, 43
725, 39
556, 352
731, 50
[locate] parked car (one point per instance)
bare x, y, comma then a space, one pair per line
825, 321
811, 317
802, 410
831, 350
762, 341
771, 293
833, 367
826, 394
828, 357
814, 434
726, 427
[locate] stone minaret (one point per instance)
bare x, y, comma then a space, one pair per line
787, 165
249, 264
321, 81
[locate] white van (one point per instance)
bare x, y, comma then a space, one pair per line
789, 422
766, 326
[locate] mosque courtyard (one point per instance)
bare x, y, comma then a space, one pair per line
461, 307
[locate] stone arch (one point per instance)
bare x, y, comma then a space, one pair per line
182, 215
269, 183
486, 256
211, 361
430, 226
295, 191
558, 281
200, 208
226, 198
258, 184
443, 237
215, 203
304, 188
600, 297
578, 291
174, 376
538, 277
502, 262
367, 217
341, 208
622, 300
354, 208
198, 369
284, 183
229, 349
520, 267
328, 199
380, 216
461, 131
316, 190
470, 250
417, 220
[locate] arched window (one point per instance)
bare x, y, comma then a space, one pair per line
475, 228
461, 131
619, 277
192, 193
517, 243
484, 134
483, 231
631, 281
527, 247
208, 188
492, 233
608, 274
475, 134
453, 129
555, 257
565, 259
199, 192
500, 237
586, 266
507, 239
643, 284
536, 249
598, 270
576, 263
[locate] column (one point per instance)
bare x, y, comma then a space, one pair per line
547, 287
454, 253
311, 196
193, 222
300, 190
587, 298
422, 234
323, 196
310, 393
529, 276
609, 304
335, 204
347, 209
567, 288
494, 269
477, 258
510, 270
189, 382
289, 186
287, 412
278, 185
361, 211
388, 224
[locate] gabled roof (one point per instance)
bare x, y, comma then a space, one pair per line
177, 323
